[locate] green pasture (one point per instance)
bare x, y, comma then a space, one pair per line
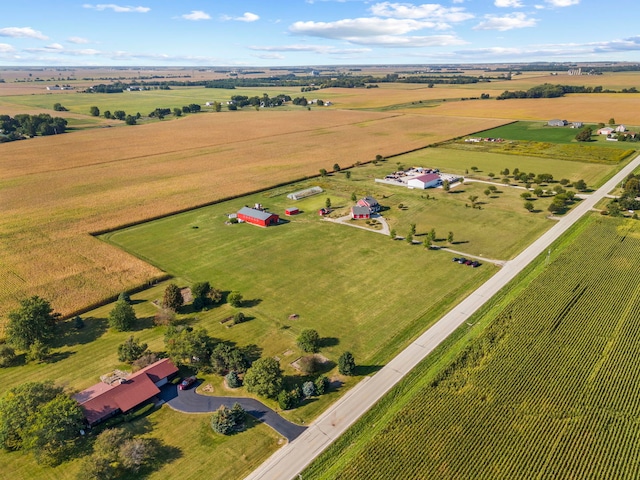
145, 101
546, 387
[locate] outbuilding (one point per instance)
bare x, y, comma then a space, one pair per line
428, 180
261, 218
360, 212
292, 211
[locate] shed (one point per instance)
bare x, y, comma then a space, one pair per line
428, 180
605, 131
557, 123
257, 217
360, 212
292, 211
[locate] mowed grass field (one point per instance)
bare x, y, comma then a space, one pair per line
55, 190
546, 389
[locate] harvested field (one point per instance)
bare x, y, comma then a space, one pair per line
55, 190
593, 108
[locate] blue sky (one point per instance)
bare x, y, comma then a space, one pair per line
314, 32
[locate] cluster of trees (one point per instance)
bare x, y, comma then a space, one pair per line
227, 420
548, 90
25, 125
118, 454
629, 198
257, 101
41, 418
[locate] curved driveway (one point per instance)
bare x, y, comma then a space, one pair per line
291, 459
189, 401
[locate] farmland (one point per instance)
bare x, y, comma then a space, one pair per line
55, 190
545, 386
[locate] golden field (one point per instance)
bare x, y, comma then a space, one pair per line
55, 190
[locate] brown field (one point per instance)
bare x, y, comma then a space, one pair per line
55, 190
594, 108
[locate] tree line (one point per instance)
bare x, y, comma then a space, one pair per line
24, 125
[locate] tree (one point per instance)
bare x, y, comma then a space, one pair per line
538, 192
336, 167
177, 112
131, 350
580, 185
122, 317
584, 135
130, 120
346, 364
7, 356
322, 385
239, 317
308, 340
392, 234
526, 195
327, 203
450, 238
33, 321
59, 108
38, 351
487, 192
94, 111
186, 345
232, 379
309, 389
124, 296
612, 121
409, 239
445, 185
354, 197
323, 172
528, 206
172, 298
427, 242
347, 174
264, 377
412, 228
287, 400
38, 416
473, 199
432, 234
225, 420
119, 114
226, 357
235, 299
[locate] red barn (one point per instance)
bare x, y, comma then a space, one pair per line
360, 212
258, 217
292, 211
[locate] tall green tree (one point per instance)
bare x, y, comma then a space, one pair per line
33, 321
122, 317
346, 364
131, 350
309, 340
94, 111
235, 299
264, 377
172, 298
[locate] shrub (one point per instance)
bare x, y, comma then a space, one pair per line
287, 400
309, 389
225, 420
308, 340
7, 356
346, 364
322, 385
238, 318
235, 299
233, 380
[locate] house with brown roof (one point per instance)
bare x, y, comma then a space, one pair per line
104, 400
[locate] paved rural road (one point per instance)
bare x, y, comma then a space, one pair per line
189, 401
291, 459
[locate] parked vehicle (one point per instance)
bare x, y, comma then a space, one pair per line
475, 264
187, 382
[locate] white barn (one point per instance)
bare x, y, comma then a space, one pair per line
428, 180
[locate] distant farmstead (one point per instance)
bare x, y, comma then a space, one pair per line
257, 217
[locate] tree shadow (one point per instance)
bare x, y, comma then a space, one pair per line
459, 242
364, 370
68, 335
143, 323
325, 342
251, 303
57, 356
455, 192
251, 352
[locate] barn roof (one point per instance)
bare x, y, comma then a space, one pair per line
254, 213
427, 177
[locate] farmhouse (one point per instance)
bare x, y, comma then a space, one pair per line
104, 400
557, 123
369, 202
621, 128
258, 217
428, 180
358, 211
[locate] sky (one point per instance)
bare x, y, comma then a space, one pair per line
314, 32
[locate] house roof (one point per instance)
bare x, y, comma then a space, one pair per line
427, 177
253, 213
101, 400
360, 210
370, 201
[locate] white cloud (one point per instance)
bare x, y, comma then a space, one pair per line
506, 22
359, 27
22, 32
562, 3
196, 15
78, 40
6, 48
116, 8
320, 49
247, 17
54, 46
429, 11
392, 41
508, 3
